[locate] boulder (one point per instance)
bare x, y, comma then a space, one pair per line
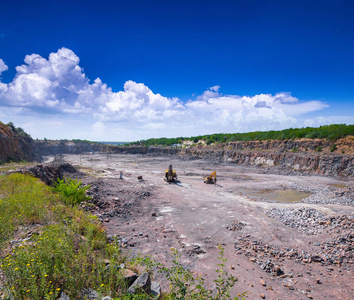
143, 282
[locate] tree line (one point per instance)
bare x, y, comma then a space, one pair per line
330, 132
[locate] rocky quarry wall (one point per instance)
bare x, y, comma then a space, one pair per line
302, 156
16, 147
53, 147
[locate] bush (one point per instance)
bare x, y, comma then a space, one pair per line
334, 147
183, 285
71, 190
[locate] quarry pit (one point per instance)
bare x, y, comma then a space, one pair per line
285, 236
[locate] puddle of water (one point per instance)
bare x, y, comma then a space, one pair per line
166, 209
339, 185
186, 185
276, 195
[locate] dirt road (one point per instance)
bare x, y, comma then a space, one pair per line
310, 257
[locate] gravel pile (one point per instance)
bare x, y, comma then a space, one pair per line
338, 197
310, 221
327, 195
305, 220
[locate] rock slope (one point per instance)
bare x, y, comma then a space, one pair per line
15, 146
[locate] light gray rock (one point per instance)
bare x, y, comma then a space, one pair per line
155, 289
64, 296
142, 283
89, 294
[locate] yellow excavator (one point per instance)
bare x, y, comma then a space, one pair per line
170, 174
211, 179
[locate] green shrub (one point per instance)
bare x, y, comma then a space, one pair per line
183, 285
334, 147
319, 149
71, 190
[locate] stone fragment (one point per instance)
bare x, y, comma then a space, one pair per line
64, 296
155, 289
129, 276
143, 282
89, 294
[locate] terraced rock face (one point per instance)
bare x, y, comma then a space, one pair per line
16, 147
299, 156
276, 154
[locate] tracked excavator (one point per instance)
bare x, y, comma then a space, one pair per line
211, 179
170, 174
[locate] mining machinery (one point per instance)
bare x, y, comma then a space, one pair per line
170, 174
211, 179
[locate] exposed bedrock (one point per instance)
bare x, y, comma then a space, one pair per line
15, 146
279, 154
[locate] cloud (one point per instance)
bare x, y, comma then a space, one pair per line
57, 88
3, 66
98, 129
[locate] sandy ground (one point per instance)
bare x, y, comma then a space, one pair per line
150, 216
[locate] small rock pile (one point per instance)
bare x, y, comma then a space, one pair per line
338, 251
236, 225
49, 174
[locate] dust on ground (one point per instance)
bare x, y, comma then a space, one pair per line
281, 249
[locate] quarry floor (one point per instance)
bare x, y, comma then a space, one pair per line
150, 216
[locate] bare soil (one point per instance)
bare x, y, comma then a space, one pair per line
267, 255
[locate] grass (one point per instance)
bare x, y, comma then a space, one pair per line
68, 254
68, 251
5, 167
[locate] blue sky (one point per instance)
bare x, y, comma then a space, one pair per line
128, 70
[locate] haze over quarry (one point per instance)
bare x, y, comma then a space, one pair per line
128, 70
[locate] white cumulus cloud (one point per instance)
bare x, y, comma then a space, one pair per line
57, 87
3, 66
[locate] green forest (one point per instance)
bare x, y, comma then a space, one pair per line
330, 132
